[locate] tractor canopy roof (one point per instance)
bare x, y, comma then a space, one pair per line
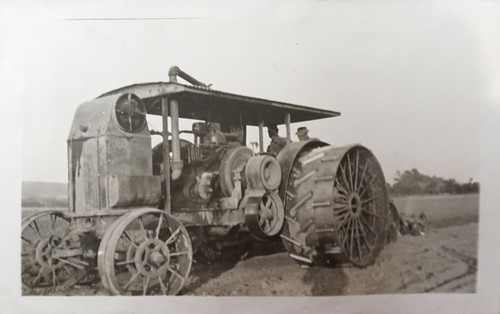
203, 103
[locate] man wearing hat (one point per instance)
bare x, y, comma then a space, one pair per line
302, 134
277, 142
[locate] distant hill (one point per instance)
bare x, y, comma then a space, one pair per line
44, 194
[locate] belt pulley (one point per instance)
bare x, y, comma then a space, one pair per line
264, 210
264, 214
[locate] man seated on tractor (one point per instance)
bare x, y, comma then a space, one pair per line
303, 134
277, 142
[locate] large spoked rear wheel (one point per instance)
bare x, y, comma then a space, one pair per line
336, 207
360, 207
145, 252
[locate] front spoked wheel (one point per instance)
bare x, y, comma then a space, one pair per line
51, 255
145, 252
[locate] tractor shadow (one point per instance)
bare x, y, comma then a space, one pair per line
318, 280
326, 281
203, 270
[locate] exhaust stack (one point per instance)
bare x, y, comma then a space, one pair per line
175, 71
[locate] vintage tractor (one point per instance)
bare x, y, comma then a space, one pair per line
137, 213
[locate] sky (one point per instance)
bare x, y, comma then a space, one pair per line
410, 79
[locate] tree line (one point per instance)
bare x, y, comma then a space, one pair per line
412, 182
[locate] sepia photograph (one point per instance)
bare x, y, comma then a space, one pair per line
285, 149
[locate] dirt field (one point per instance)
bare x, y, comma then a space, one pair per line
444, 260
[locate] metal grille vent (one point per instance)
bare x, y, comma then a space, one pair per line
130, 113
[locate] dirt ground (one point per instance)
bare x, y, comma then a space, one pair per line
444, 260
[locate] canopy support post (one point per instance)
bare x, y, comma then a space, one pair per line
261, 137
166, 155
287, 124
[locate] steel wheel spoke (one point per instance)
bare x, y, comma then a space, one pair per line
39, 274
179, 253
175, 273
143, 230
350, 172
69, 263
345, 220
356, 172
36, 228
124, 262
344, 178
128, 239
134, 277
341, 218
339, 205
341, 189
367, 225
370, 199
68, 271
29, 242
347, 230
80, 261
370, 213
342, 207
366, 187
357, 240
340, 210
54, 277
52, 225
364, 234
172, 236
362, 176
67, 231
164, 289
351, 243
159, 226
145, 282
340, 198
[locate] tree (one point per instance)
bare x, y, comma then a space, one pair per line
412, 182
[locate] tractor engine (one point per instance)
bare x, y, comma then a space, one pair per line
218, 172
